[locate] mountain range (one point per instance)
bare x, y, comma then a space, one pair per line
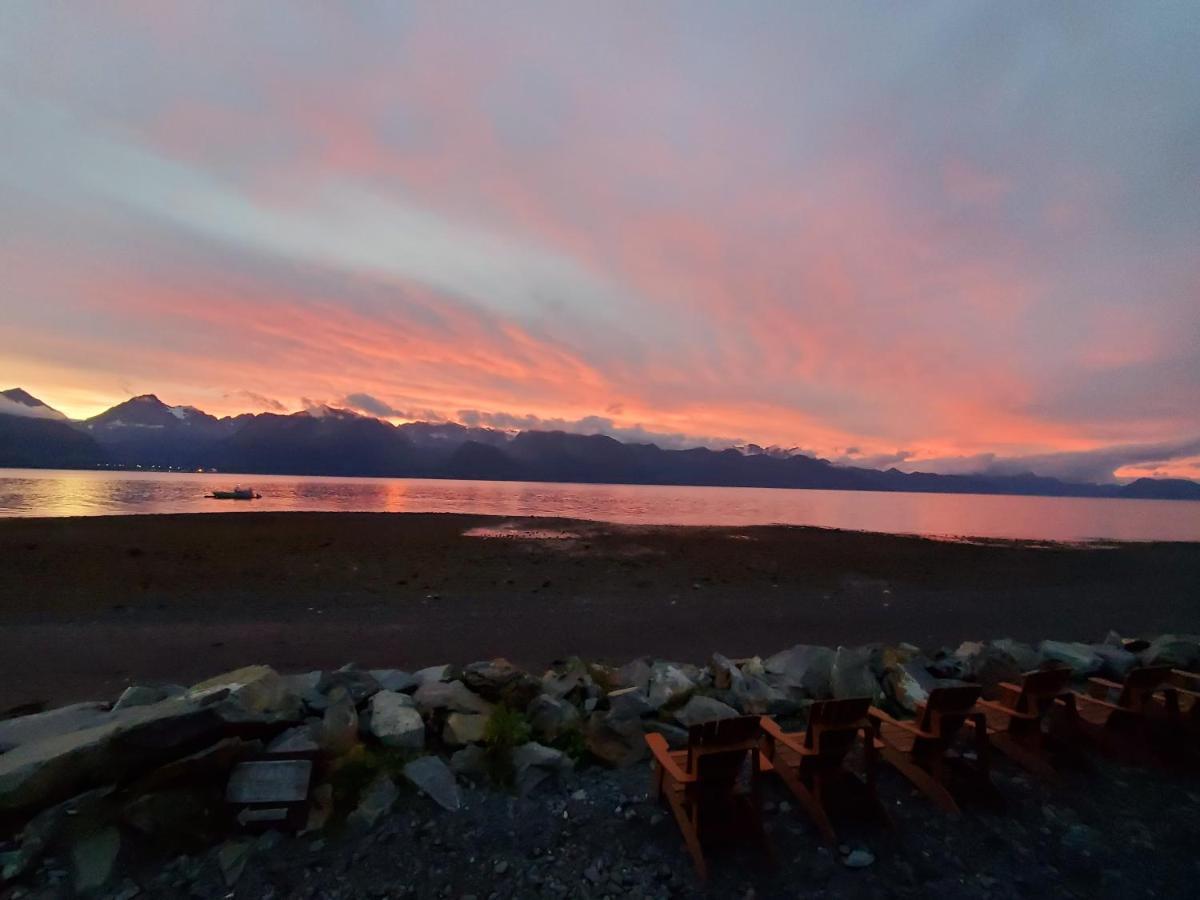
145, 432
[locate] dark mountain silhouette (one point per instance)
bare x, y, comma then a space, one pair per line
144, 431
37, 409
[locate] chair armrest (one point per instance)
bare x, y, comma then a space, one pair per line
1006, 710
662, 755
776, 733
878, 715
1099, 687
1096, 701
1011, 691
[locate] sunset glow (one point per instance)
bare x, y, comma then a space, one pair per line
885, 235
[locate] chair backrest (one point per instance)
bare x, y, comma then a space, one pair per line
833, 726
1140, 684
717, 750
947, 708
1039, 688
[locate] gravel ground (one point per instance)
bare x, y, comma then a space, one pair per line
1103, 831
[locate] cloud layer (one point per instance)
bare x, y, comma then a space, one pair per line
954, 234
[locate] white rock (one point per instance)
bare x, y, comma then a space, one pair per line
396, 722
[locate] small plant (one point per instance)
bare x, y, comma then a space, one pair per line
572, 743
505, 730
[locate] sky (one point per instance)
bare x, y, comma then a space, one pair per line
948, 236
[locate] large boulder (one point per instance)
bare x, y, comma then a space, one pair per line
259, 690
395, 680
144, 694
433, 777
550, 718
804, 668
395, 721
499, 681
988, 666
700, 709
669, 685
533, 763
570, 679
628, 703
93, 858
376, 801
54, 722
634, 674
909, 685
472, 761
617, 741
41, 772
1115, 662
853, 672
1180, 651
1026, 658
463, 728
452, 696
360, 684
1081, 658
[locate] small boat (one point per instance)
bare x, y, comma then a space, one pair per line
238, 493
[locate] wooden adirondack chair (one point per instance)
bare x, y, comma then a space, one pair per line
1014, 722
1180, 694
919, 750
701, 783
1115, 715
811, 761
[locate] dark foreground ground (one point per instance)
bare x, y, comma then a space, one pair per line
90, 604
1105, 831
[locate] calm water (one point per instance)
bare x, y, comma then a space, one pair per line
30, 492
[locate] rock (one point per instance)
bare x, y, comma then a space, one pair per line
87, 812
358, 683
1115, 662
499, 681
258, 690
703, 709
232, 857
628, 703
45, 771
852, 674
452, 696
144, 694
988, 666
395, 680
433, 674
395, 721
378, 798
858, 859
471, 761
1026, 658
616, 741
320, 808
1082, 659
550, 718
669, 685
93, 858
52, 723
432, 776
1112, 639
910, 685
533, 763
945, 665
806, 668
210, 764
725, 673
294, 740
463, 728
634, 674
178, 815
1177, 651
567, 679
338, 732
677, 738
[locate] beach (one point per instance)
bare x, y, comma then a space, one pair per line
88, 605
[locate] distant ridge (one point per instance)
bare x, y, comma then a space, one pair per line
144, 431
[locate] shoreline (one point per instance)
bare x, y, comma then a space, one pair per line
89, 604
